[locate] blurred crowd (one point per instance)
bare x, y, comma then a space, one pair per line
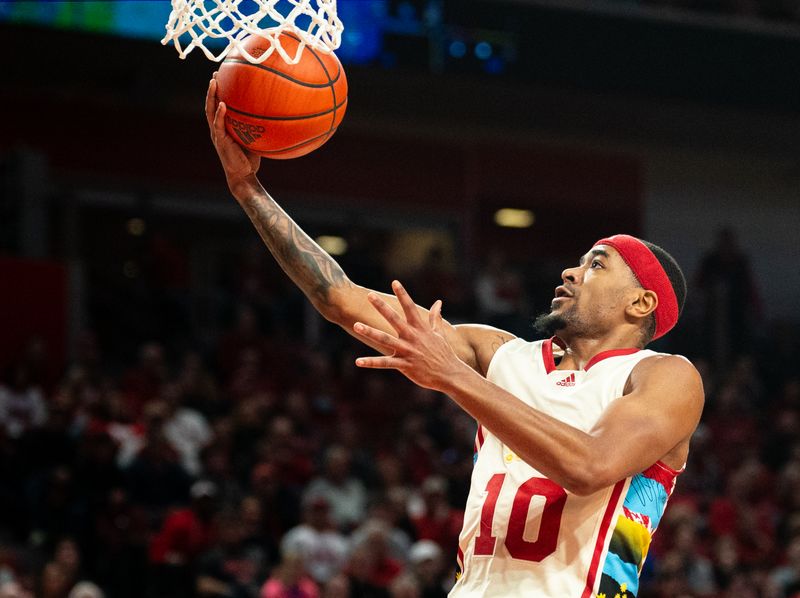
264, 465
278, 472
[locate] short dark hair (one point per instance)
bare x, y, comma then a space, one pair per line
676, 279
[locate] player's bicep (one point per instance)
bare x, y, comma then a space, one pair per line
661, 411
483, 341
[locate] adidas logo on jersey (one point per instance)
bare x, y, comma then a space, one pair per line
568, 381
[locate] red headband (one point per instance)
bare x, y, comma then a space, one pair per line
651, 276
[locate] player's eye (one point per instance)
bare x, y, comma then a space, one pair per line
596, 264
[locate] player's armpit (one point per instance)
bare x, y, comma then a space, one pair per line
660, 412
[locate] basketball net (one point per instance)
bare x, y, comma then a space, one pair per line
214, 21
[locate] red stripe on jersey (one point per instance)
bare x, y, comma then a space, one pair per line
550, 362
675, 472
663, 474
479, 439
610, 353
460, 559
605, 525
547, 356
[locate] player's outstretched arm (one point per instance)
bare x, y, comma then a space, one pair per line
315, 272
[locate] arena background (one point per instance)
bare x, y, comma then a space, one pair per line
148, 341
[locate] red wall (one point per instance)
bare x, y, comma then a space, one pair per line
33, 303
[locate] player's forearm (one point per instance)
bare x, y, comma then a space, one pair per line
564, 454
314, 271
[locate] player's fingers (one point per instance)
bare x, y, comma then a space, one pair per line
408, 305
378, 336
219, 120
211, 102
435, 315
379, 363
388, 313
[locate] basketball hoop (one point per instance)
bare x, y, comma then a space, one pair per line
228, 23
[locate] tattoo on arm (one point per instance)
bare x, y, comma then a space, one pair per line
306, 263
499, 341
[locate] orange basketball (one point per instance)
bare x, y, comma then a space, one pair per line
280, 110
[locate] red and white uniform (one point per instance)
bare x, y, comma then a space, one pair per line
523, 534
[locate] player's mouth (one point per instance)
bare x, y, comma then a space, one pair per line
563, 292
562, 295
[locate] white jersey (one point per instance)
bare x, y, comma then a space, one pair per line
523, 534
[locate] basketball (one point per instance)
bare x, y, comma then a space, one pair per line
279, 110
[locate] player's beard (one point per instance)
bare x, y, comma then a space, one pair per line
549, 323
567, 321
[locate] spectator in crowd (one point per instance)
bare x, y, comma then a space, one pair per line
730, 296
57, 507
437, 278
155, 478
56, 582
383, 514
185, 535
186, 429
68, 556
86, 589
374, 541
289, 580
339, 587
425, 559
360, 572
143, 382
685, 557
322, 547
404, 586
500, 293
279, 502
785, 578
96, 469
11, 589
22, 406
52, 442
121, 531
436, 519
120, 422
233, 567
344, 493
198, 387
255, 535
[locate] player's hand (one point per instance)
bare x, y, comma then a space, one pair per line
419, 351
239, 164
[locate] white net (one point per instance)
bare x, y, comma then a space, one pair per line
219, 26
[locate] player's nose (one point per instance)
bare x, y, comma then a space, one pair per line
570, 275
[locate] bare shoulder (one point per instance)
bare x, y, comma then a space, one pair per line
668, 377
662, 365
484, 342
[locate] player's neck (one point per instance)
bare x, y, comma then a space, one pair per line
578, 351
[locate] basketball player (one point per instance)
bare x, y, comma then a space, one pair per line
580, 437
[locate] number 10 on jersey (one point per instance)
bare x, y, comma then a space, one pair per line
518, 547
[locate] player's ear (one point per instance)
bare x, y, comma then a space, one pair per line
643, 304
